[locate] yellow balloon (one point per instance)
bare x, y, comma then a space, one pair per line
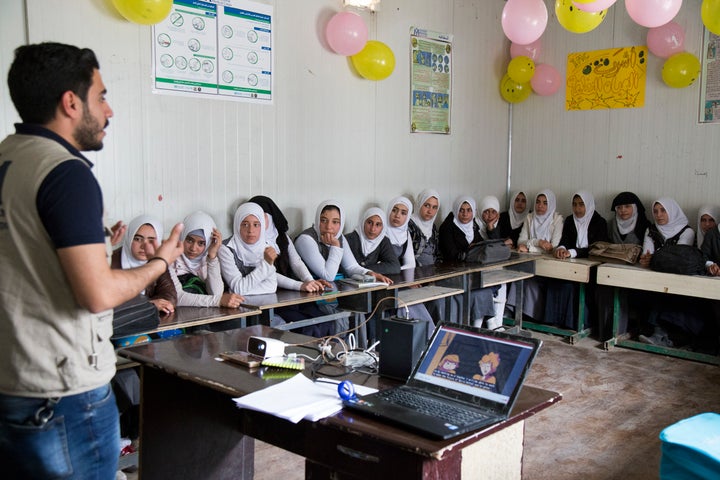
521, 69
512, 91
710, 14
575, 20
681, 70
145, 12
375, 61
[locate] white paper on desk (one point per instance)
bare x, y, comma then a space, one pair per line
298, 398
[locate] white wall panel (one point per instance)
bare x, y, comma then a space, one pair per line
332, 134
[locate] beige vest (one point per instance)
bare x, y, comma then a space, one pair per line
49, 346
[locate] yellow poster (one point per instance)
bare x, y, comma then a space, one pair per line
612, 78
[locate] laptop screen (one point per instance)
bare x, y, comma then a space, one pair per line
479, 367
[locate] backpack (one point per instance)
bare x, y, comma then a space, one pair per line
682, 259
488, 251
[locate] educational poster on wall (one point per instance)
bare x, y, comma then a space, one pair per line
215, 49
430, 81
611, 78
710, 79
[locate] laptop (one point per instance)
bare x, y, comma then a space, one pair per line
470, 378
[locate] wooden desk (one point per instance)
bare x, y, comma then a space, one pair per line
638, 278
578, 270
420, 285
185, 317
191, 429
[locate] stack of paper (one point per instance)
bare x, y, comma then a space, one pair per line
298, 398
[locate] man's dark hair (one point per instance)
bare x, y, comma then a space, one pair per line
42, 73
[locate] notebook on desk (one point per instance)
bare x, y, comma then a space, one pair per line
466, 379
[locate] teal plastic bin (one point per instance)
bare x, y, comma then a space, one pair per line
691, 449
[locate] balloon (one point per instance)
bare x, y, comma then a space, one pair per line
531, 50
681, 70
652, 13
546, 80
594, 6
512, 91
375, 61
666, 40
346, 33
710, 14
521, 69
145, 12
524, 21
577, 21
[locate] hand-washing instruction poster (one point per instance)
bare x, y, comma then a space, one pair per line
710, 79
612, 78
431, 81
215, 48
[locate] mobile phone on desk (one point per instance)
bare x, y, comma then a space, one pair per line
241, 358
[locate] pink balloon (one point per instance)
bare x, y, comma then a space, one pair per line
666, 40
546, 80
524, 21
652, 13
346, 33
531, 50
594, 7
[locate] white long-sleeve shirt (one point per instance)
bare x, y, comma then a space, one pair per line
263, 279
338, 257
533, 244
213, 282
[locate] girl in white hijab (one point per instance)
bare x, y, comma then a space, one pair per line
399, 212
201, 243
246, 260
670, 226
422, 229
708, 216
372, 249
324, 249
542, 229
511, 221
489, 218
138, 245
582, 229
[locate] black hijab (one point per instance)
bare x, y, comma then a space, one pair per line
282, 262
627, 198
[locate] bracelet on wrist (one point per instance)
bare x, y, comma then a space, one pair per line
167, 265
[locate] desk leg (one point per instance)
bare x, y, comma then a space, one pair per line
608, 344
191, 432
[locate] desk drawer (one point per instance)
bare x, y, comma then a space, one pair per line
363, 456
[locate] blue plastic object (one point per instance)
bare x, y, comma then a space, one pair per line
691, 449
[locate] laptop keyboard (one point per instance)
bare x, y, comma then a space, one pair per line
432, 407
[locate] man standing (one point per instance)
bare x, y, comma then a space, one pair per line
58, 417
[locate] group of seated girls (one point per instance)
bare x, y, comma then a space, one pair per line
555, 302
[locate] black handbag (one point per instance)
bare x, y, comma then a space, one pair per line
137, 315
488, 251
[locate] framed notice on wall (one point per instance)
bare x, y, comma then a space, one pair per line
215, 48
710, 79
430, 81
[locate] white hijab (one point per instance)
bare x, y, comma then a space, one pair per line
486, 203
399, 235
582, 224
714, 212
201, 224
676, 217
369, 246
425, 226
540, 226
250, 254
127, 260
467, 228
517, 219
318, 212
